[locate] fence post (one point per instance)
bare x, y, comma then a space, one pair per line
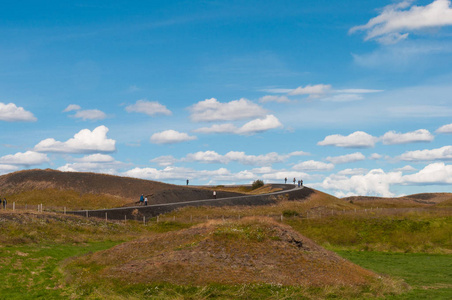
106, 217
38, 207
281, 218
65, 210
144, 220
87, 214
125, 219
14, 206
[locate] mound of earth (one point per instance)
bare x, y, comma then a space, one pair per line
126, 188
248, 251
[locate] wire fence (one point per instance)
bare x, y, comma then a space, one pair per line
315, 213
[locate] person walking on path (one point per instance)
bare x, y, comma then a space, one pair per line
285, 180
0, 202
187, 181
214, 195
294, 180
141, 199
4, 203
146, 201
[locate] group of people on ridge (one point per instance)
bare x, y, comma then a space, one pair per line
143, 200
300, 182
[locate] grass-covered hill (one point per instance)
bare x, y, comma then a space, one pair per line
91, 190
249, 251
415, 200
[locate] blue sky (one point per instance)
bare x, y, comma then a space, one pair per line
353, 97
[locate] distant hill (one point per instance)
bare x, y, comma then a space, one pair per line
416, 200
84, 189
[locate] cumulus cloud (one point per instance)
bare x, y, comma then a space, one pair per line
443, 153
273, 98
90, 114
374, 183
375, 156
252, 127
435, 173
445, 129
211, 110
7, 168
215, 176
358, 139
348, 158
312, 165
28, 158
96, 158
260, 125
406, 168
72, 107
171, 137
11, 113
240, 157
149, 108
164, 161
354, 171
396, 21
85, 141
393, 138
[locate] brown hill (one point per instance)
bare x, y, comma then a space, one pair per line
253, 250
92, 190
416, 200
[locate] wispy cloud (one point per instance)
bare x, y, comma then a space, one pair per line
396, 21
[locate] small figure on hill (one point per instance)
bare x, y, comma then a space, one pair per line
285, 180
141, 199
4, 203
301, 182
214, 195
0, 202
146, 201
294, 180
187, 181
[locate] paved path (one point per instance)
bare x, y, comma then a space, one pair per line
156, 209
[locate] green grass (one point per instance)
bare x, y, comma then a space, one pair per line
414, 232
429, 275
32, 271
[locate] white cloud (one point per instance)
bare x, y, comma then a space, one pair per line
28, 158
435, 173
420, 111
312, 165
96, 158
149, 108
443, 153
7, 168
343, 98
355, 171
260, 125
393, 138
90, 114
218, 128
212, 110
406, 168
376, 182
11, 113
397, 20
171, 137
272, 98
241, 157
164, 161
110, 168
72, 107
375, 156
358, 139
85, 141
445, 129
348, 158
314, 91
252, 127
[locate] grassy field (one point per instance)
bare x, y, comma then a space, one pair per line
429, 275
411, 250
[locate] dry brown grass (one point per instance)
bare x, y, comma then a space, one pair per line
253, 250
